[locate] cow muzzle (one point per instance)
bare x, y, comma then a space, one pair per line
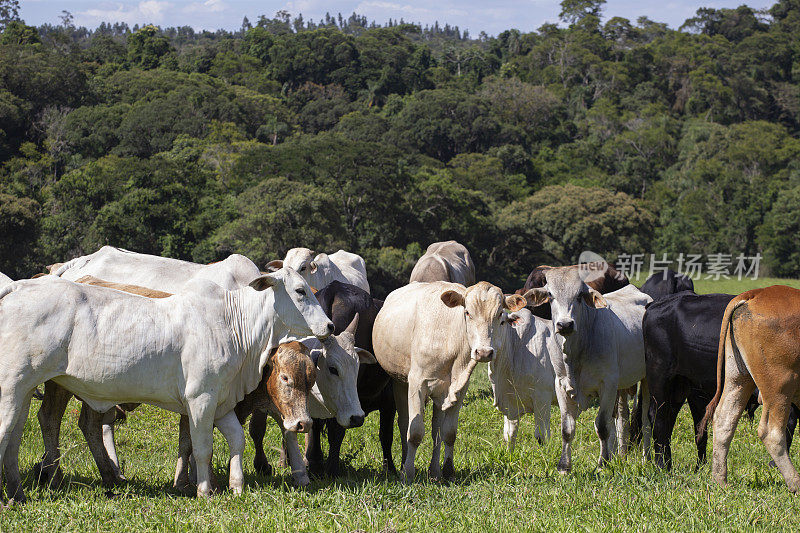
483, 355
327, 332
300, 425
565, 327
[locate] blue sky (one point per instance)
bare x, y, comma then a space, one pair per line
491, 16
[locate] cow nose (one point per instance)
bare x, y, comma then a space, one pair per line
356, 421
483, 355
303, 426
565, 327
329, 328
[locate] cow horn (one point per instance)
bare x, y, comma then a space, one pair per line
353, 325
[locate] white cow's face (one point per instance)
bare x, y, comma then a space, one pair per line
295, 304
337, 376
571, 300
483, 315
315, 269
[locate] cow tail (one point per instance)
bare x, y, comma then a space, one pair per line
723, 334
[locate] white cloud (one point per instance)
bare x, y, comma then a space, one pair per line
145, 11
209, 6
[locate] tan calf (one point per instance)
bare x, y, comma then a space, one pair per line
759, 347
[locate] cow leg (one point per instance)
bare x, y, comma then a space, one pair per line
791, 424
448, 433
622, 422
697, 406
510, 427
569, 412
91, 424
295, 458
636, 426
542, 401
258, 428
181, 480
11, 457
400, 392
435, 468
12, 410
643, 416
232, 430
108, 441
51, 412
772, 431
335, 437
201, 429
604, 423
736, 392
386, 435
663, 425
314, 455
417, 395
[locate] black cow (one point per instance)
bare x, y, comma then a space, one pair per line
669, 282
341, 301
681, 337
610, 281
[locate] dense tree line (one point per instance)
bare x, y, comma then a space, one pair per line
613, 136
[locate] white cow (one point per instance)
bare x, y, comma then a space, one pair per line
123, 266
445, 261
522, 375
196, 353
322, 269
429, 338
160, 273
602, 353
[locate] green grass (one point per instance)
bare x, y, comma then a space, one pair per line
494, 490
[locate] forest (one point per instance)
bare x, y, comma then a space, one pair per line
615, 136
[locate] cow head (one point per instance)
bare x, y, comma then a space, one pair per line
337, 375
295, 304
570, 298
291, 377
483, 312
314, 269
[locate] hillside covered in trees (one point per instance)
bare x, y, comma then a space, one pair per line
614, 136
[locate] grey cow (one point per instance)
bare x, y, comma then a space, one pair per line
445, 261
602, 356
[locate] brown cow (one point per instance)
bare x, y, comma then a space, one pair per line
758, 347
282, 394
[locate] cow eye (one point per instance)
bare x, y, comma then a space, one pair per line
466, 313
333, 370
301, 292
285, 378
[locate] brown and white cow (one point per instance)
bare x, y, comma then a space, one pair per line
429, 338
445, 261
758, 347
283, 394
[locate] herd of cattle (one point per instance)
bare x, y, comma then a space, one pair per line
223, 342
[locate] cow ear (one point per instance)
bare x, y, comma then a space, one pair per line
537, 297
274, 265
262, 283
452, 298
514, 302
594, 299
315, 356
365, 357
312, 267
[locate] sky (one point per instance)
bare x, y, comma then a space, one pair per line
491, 16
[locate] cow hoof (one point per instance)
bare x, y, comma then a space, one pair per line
332, 471
262, 467
435, 474
407, 477
772, 464
316, 468
47, 477
302, 481
448, 472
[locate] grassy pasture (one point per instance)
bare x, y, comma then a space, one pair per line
494, 489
